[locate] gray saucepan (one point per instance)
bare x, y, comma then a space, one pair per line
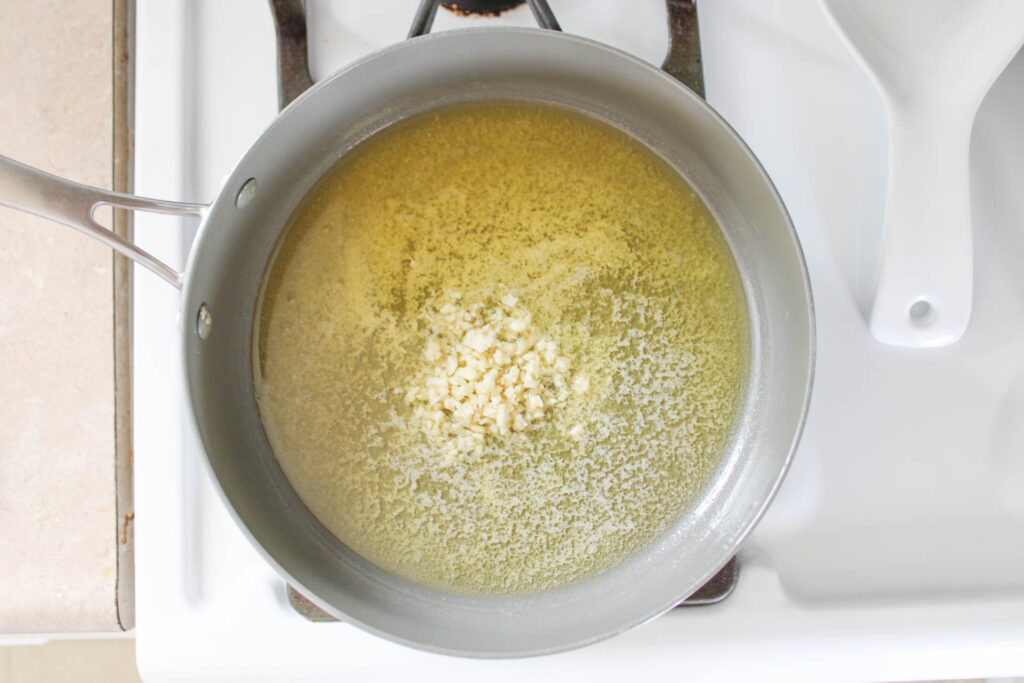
235, 243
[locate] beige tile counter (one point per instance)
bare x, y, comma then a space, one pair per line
58, 528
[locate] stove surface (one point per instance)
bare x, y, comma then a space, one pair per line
892, 550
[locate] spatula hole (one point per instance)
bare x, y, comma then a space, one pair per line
922, 313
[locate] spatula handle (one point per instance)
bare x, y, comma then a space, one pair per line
924, 289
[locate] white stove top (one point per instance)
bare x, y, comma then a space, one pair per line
894, 549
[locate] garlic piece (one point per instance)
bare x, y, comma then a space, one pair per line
487, 372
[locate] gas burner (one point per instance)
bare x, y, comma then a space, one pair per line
488, 8
424, 18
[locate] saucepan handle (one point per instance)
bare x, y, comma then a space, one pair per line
428, 8
33, 191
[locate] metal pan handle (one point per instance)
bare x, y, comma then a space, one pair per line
428, 8
33, 191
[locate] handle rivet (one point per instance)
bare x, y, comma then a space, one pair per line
204, 321
245, 193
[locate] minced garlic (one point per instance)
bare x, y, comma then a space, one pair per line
488, 372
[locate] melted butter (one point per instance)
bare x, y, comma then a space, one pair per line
616, 258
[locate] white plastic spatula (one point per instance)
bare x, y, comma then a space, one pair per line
932, 62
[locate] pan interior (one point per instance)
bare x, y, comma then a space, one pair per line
611, 348
235, 246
